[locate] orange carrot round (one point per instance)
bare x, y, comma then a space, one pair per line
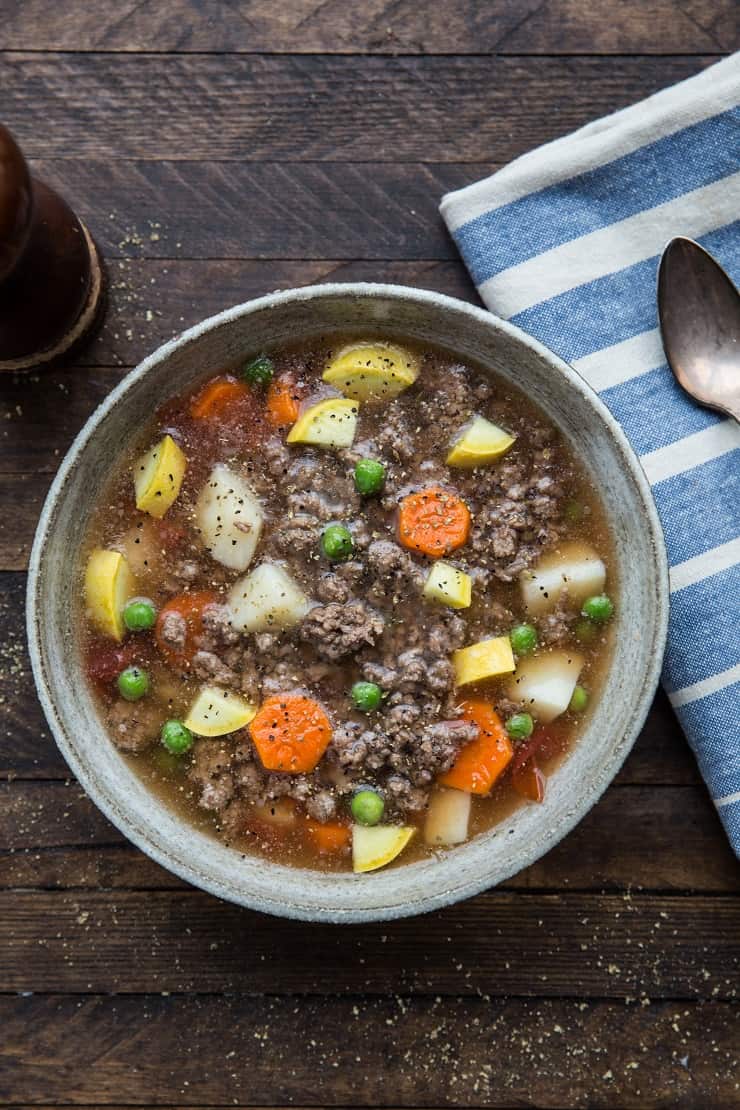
216, 397
189, 606
433, 521
328, 838
282, 401
291, 732
483, 760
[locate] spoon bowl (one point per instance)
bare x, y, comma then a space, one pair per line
699, 310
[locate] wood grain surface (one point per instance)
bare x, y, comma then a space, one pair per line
220, 149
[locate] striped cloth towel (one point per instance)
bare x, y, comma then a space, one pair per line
565, 242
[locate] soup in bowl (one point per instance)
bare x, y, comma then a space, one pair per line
350, 603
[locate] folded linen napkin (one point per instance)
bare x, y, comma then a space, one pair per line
565, 242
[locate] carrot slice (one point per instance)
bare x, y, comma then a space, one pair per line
189, 606
433, 521
291, 732
216, 397
529, 781
483, 760
282, 401
328, 838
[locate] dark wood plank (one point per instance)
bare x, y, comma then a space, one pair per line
501, 943
377, 27
53, 837
293, 108
367, 1052
314, 210
660, 757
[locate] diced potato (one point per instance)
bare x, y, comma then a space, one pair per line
158, 476
108, 586
268, 598
230, 518
480, 443
449, 585
330, 423
280, 815
575, 566
216, 712
374, 846
545, 683
448, 817
486, 659
142, 549
367, 371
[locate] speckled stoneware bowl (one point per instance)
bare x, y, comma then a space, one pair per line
612, 727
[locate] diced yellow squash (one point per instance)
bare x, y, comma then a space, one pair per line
330, 423
449, 585
158, 475
108, 586
216, 712
374, 846
482, 442
367, 371
486, 659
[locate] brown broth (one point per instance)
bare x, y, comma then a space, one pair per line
116, 523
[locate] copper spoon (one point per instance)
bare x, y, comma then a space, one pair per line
699, 310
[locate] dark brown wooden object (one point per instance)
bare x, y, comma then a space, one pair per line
51, 275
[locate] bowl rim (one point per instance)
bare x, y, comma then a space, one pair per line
117, 814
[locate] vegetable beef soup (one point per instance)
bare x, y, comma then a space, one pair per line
348, 603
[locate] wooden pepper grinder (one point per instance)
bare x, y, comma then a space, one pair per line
51, 275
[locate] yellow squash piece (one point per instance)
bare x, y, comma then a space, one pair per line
216, 712
482, 442
449, 585
368, 371
374, 846
108, 586
158, 476
329, 423
486, 659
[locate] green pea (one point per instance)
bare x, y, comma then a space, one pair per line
598, 608
176, 738
585, 632
258, 371
369, 476
367, 807
139, 614
336, 542
520, 726
579, 701
523, 639
575, 511
133, 683
367, 696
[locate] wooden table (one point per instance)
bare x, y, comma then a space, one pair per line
219, 150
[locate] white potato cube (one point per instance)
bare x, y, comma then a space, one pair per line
576, 566
230, 518
267, 599
545, 683
447, 818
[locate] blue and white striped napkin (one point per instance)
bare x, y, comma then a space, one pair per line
565, 242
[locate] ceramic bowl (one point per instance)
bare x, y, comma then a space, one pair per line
471, 333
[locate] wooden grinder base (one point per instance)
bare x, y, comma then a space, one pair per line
52, 278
